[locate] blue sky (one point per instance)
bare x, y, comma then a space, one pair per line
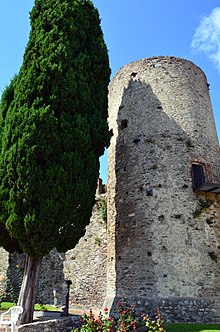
133, 29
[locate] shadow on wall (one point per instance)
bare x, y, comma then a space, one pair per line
14, 276
144, 153
153, 183
51, 278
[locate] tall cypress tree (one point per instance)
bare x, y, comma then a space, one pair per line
54, 128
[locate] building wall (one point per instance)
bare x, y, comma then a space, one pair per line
158, 250
3, 271
85, 266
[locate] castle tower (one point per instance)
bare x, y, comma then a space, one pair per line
163, 185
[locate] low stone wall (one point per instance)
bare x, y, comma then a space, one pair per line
176, 310
190, 310
64, 324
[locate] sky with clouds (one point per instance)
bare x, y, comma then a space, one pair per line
207, 37
133, 29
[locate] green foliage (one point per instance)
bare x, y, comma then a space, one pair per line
45, 307
92, 324
37, 307
181, 327
154, 324
126, 321
6, 305
97, 240
54, 128
203, 205
104, 210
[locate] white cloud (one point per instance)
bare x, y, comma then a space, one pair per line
207, 36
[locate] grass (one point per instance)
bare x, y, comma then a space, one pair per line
170, 327
45, 307
6, 305
180, 327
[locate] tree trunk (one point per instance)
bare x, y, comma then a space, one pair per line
29, 288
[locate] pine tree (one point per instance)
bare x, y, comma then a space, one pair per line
54, 128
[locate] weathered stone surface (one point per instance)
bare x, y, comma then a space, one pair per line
161, 117
85, 266
3, 271
64, 324
3, 261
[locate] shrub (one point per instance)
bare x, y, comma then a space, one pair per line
154, 324
91, 324
125, 322
203, 205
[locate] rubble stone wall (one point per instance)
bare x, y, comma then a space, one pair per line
158, 247
85, 266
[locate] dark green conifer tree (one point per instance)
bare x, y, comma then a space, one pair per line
54, 128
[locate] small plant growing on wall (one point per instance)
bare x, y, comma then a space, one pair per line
203, 205
97, 240
104, 210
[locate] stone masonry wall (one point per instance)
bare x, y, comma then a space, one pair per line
64, 324
3, 271
159, 249
85, 266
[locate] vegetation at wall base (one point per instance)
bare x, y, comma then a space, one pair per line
169, 327
126, 321
184, 327
53, 129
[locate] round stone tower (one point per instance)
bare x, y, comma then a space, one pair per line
163, 185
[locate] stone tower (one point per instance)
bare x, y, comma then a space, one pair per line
163, 185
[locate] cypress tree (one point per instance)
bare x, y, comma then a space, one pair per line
54, 128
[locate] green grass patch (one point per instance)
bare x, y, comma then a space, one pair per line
6, 305
180, 327
45, 307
